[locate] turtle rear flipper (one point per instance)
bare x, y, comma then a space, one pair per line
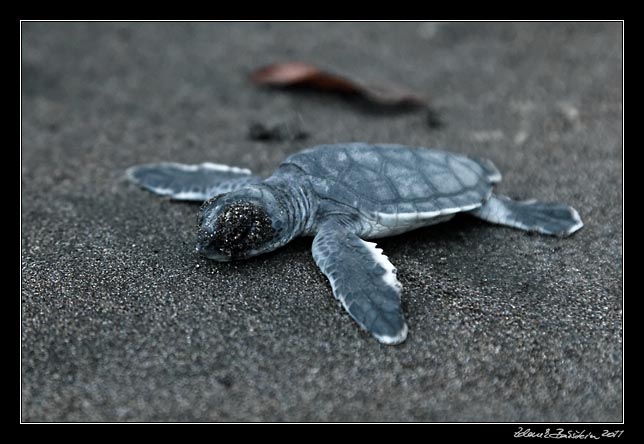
555, 219
190, 182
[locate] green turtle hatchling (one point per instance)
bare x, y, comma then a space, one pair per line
344, 195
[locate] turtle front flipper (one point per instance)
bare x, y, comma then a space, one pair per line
362, 279
190, 182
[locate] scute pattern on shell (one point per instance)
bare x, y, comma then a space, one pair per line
393, 179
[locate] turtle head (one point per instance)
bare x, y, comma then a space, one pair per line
237, 225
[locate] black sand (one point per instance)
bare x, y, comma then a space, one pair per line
121, 321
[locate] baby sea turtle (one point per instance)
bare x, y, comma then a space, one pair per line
343, 194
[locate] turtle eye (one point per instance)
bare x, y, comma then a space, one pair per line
203, 210
209, 202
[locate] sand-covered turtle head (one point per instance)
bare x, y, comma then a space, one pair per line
238, 225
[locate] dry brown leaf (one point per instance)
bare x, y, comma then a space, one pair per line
285, 74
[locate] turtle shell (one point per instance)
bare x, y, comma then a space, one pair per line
395, 180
